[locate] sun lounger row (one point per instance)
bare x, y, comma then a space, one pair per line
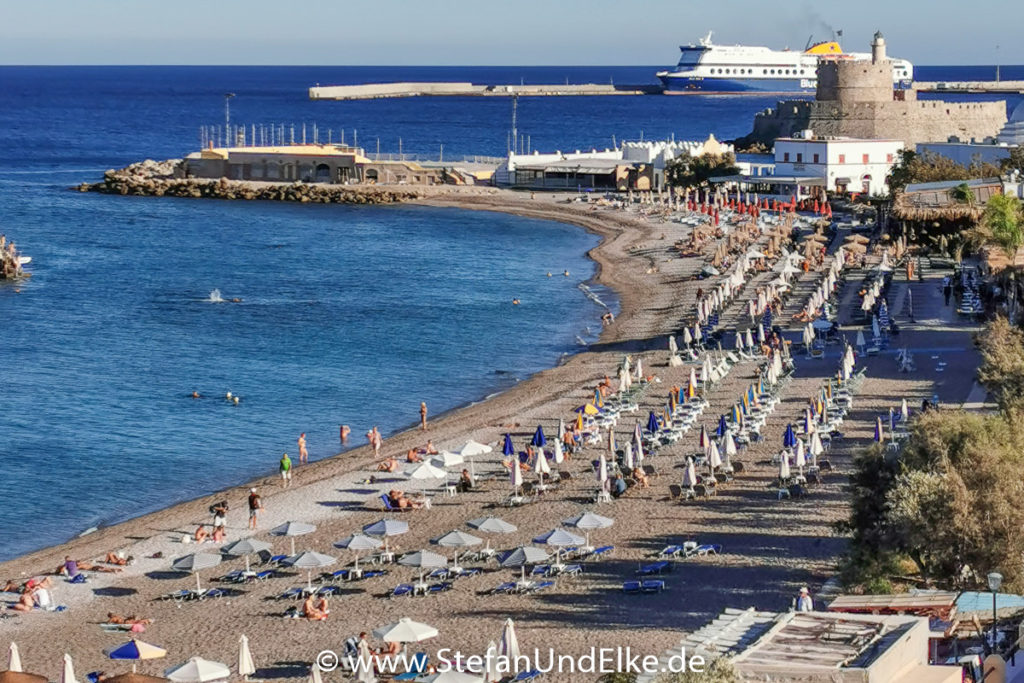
646, 586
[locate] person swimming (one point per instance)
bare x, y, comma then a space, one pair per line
566, 273
195, 394
515, 302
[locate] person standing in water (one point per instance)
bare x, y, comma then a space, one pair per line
303, 453
423, 416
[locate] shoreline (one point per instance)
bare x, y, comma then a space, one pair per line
85, 542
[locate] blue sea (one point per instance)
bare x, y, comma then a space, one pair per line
349, 315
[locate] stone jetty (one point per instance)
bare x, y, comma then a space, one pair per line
167, 178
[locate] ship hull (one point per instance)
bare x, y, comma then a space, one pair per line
692, 84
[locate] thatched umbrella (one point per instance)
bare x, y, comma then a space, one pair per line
20, 677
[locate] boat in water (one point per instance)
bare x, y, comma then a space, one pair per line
710, 68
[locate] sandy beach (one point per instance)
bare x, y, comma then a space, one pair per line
770, 548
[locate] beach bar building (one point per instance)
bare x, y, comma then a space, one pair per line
824, 646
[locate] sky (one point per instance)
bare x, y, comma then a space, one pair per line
487, 32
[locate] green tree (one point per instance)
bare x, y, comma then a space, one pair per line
687, 171
963, 194
1002, 363
1001, 225
719, 670
911, 167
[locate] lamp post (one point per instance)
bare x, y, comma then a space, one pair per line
995, 580
227, 118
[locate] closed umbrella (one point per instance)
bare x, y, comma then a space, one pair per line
493, 674
386, 528
13, 658
538, 439
689, 475
784, 467
879, 435
508, 644
540, 465
195, 563
309, 561
315, 675
559, 455
293, 529
789, 438
457, 539
714, 457
800, 459
703, 440
507, 448
245, 548
904, 411
672, 347
246, 667
515, 476
358, 543
423, 559
198, 670
522, 556
67, 674
627, 456
652, 423
602, 470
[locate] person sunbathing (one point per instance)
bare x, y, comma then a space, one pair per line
309, 610
400, 500
219, 534
11, 586
641, 478
389, 465
413, 456
430, 449
201, 534
85, 566
114, 558
27, 601
129, 620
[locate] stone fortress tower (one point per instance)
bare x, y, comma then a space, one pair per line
857, 99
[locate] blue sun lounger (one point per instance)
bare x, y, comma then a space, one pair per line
401, 590
631, 586
527, 676
601, 552
671, 551
435, 588
507, 587
654, 568
291, 594
652, 586
543, 585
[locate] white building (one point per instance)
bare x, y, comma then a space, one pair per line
845, 164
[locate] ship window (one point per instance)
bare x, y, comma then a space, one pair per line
785, 156
764, 71
815, 158
773, 71
799, 158
726, 71
801, 72
842, 158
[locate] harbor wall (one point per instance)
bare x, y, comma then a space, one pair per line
367, 91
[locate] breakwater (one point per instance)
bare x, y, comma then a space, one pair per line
371, 91
167, 178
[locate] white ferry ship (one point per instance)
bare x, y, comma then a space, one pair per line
711, 68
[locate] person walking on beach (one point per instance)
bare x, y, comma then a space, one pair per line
286, 470
303, 453
375, 440
947, 288
423, 417
255, 505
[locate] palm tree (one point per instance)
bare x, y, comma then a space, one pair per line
1002, 224
962, 194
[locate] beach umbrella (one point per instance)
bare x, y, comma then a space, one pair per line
508, 644
515, 476
244, 548
585, 409
672, 347
588, 521
789, 438
652, 423
291, 530
246, 667
627, 456
358, 543
423, 473
879, 435
749, 339
492, 674
13, 658
522, 556
540, 465
737, 414
639, 370
507, 448
198, 670
405, 630
196, 562
457, 539
703, 440
423, 559
558, 454
904, 411
784, 468
309, 561
689, 474
472, 448
386, 528
451, 676
728, 445
67, 674
739, 341
447, 459
561, 428
808, 421
800, 459
559, 538
611, 442
538, 439
491, 525
722, 427
714, 457
687, 337
135, 650
815, 448
602, 470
